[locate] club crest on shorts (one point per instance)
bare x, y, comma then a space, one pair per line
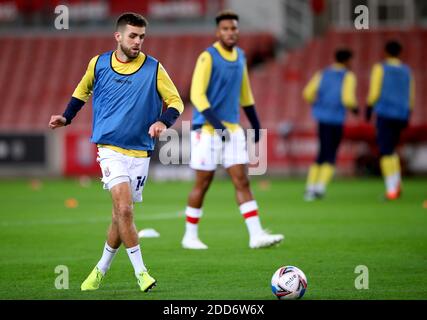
107, 172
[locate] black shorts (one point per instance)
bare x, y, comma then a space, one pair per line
388, 134
330, 136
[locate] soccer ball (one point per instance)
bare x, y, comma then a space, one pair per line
288, 283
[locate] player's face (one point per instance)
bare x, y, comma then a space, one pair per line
227, 33
130, 40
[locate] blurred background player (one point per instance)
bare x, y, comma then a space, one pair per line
220, 83
330, 91
127, 118
391, 97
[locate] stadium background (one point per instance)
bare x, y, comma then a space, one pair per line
286, 41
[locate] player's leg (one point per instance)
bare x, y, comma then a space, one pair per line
314, 170
385, 141
113, 173
241, 183
332, 141
399, 126
397, 173
117, 178
258, 238
235, 163
123, 215
205, 148
314, 187
113, 237
310, 186
138, 174
201, 185
193, 211
235, 159
121, 195
111, 246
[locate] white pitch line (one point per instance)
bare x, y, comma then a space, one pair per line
69, 221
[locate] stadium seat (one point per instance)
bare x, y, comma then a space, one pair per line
43, 81
41, 84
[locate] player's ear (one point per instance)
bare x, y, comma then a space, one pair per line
118, 36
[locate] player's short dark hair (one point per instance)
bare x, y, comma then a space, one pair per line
393, 48
226, 15
132, 19
343, 55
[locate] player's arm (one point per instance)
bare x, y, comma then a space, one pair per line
80, 96
375, 87
310, 91
199, 86
248, 103
170, 96
348, 94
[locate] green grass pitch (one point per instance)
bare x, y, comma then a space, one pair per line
326, 239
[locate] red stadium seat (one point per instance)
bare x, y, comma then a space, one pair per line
43, 81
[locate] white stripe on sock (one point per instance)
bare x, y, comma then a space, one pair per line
193, 212
252, 223
248, 206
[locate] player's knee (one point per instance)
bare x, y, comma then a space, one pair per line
123, 211
241, 183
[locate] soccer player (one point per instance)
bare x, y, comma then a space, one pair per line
220, 84
392, 97
128, 87
331, 92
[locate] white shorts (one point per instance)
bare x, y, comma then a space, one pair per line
117, 168
207, 150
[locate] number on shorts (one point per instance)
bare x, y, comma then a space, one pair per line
140, 183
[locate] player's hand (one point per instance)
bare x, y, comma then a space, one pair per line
156, 129
57, 121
